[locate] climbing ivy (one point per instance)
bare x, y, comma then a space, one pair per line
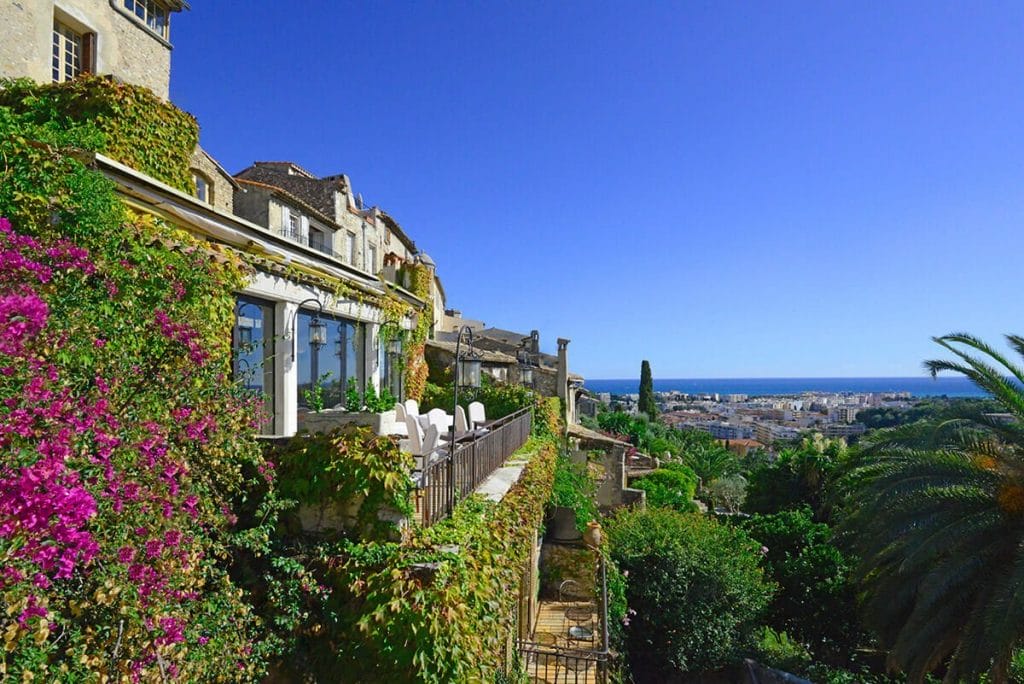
415, 364
125, 122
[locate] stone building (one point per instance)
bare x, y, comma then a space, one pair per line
56, 40
318, 255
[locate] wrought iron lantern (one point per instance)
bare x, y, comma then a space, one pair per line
317, 328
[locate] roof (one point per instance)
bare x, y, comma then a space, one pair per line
397, 230
305, 206
315, 192
216, 164
486, 356
581, 432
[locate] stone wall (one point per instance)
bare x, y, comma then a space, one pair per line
221, 188
253, 204
126, 48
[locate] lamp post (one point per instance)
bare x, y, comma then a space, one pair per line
525, 357
467, 369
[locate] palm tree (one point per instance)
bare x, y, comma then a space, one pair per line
935, 510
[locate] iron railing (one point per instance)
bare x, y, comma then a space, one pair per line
571, 664
319, 243
455, 474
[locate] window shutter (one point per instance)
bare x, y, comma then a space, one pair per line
304, 228
89, 53
286, 221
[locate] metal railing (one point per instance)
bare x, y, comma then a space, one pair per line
456, 474
319, 243
569, 664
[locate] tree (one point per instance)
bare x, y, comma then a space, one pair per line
696, 587
816, 602
647, 404
936, 513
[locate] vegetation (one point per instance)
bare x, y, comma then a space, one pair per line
348, 467
671, 486
695, 586
816, 601
128, 452
575, 488
936, 512
498, 400
799, 477
647, 405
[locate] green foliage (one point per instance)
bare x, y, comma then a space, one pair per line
415, 612
575, 487
696, 587
499, 400
647, 405
315, 395
375, 403
727, 493
816, 601
672, 486
929, 409
127, 123
353, 402
177, 435
797, 478
349, 466
935, 510
415, 365
778, 650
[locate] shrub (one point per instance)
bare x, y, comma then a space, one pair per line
696, 587
347, 466
816, 602
574, 487
670, 488
499, 400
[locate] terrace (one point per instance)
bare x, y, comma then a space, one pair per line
476, 463
569, 640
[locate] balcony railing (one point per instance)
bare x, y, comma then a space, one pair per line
321, 243
453, 477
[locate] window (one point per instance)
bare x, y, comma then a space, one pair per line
371, 258
294, 225
332, 364
350, 248
252, 348
151, 13
72, 52
203, 188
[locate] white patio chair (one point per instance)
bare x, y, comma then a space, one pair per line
412, 407
439, 418
461, 424
415, 436
477, 415
400, 413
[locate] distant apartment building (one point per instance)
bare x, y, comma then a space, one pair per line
726, 430
844, 414
767, 433
47, 40
844, 430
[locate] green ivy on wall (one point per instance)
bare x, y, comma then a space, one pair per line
126, 123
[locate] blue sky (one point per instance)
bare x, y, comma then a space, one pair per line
727, 189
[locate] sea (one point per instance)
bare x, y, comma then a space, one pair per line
926, 386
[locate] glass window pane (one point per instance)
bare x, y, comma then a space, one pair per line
253, 347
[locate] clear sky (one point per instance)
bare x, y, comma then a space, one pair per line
729, 189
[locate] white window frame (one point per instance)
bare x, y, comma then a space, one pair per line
350, 248
67, 57
198, 177
154, 15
